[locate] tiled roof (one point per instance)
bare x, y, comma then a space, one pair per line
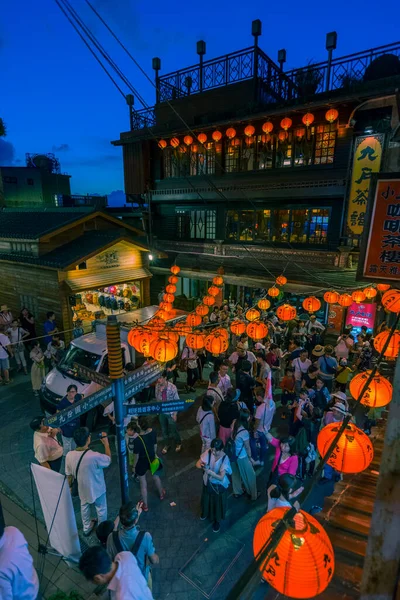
32, 224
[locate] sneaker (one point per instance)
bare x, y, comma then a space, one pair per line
144, 507
178, 448
216, 527
163, 494
203, 518
93, 523
165, 449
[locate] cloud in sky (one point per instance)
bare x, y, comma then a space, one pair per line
7, 153
61, 148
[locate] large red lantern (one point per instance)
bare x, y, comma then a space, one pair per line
391, 300
156, 324
238, 327
358, 296
281, 280
311, 304
252, 314
273, 292
286, 312
303, 562
308, 119
218, 280
222, 331
392, 351
378, 393
209, 300
249, 130
383, 287
193, 320
331, 297
195, 340
202, 137
354, 450
167, 306
230, 133
282, 136
257, 330
188, 140
286, 123
174, 142
216, 343
182, 328
163, 350
264, 304
175, 269
171, 335
331, 115
163, 314
173, 279
213, 291
143, 342
345, 300
267, 127
170, 289
168, 297
217, 136
162, 144
202, 310
370, 292
133, 335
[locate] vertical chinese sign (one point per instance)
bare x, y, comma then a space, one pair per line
382, 244
367, 160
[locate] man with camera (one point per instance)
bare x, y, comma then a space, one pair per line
85, 470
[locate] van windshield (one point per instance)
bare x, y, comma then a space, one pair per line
81, 357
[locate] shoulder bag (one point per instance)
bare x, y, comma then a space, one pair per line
154, 464
214, 489
74, 486
135, 548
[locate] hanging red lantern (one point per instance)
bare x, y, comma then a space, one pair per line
358, 296
264, 304
230, 133
249, 130
252, 314
170, 289
155, 324
174, 142
193, 320
282, 136
345, 300
222, 331
173, 279
267, 127
168, 297
163, 314
144, 341
194, 148
202, 310
286, 123
249, 141
391, 300
383, 287
213, 290
354, 450
286, 312
238, 327
133, 334
202, 137
281, 280
182, 328
300, 132
331, 297
273, 292
188, 140
216, 136
167, 306
162, 144
311, 304
171, 335
331, 115
218, 280
304, 542
378, 393
208, 300
175, 269
235, 142
308, 119
257, 330
163, 350
195, 340
392, 351
370, 292
266, 138
216, 343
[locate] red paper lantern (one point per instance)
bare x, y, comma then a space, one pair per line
303, 562
163, 314
286, 312
311, 304
188, 140
264, 304
286, 123
209, 300
345, 300
266, 138
238, 327
392, 351
331, 297
267, 127
168, 297
175, 269
249, 130
300, 132
133, 334
202, 137
162, 144
167, 306
252, 314
230, 133
202, 310
370, 292
173, 279
331, 115
143, 342
216, 136
383, 287
170, 289
273, 292
193, 320
358, 296
378, 393
222, 331
163, 350
216, 343
218, 280
257, 330
354, 450
391, 300
174, 142
308, 119
281, 280
182, 328
283, 135
171, 335
155, 324
194, 148
195, 340
213, 290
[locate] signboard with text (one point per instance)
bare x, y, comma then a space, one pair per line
158, 407
361, 314
335, 318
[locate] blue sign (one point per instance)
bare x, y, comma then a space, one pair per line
141, 378
158, 407
80, 408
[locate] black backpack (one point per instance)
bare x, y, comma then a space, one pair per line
230, 448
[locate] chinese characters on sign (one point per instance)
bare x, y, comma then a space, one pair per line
159, 407
335, 318
361, 314
382, 255
367, 160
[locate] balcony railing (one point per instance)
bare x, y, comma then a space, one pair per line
142, 119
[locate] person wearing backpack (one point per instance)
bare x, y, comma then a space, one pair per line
328, 365
130, 537
239, 453
262, 424
206, 419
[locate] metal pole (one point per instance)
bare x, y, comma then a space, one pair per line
382, 559
116, 373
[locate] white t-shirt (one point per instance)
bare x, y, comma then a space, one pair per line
222, 464
190, 355
90, 475
265, 413
234, 357
277, 503
206, 421
342, 349
300, 368
224, 384
5, 342
18, 578
15, 336
128, 582
46, 447
242, 437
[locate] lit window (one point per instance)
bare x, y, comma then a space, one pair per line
325, 144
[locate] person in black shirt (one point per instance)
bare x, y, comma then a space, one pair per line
228, 411
246, 384
144, 452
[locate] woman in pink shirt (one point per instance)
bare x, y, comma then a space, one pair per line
284, 460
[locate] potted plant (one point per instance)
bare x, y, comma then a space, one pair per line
308, 80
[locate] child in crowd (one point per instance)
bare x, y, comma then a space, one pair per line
342, 375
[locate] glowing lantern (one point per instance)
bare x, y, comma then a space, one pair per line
171, 335
370, 292
304, 542
230, 133
281, 280
174, 142
163, 350
249, 130
300, 132
331, 115
209, 300
354, 450
167, 306
202, 310
378, 393
358, 296
383, 287
286, 123
194, 148
273, 292
202, 137
216, 343
264, 304
156, 324
134, 334
216, 136
170, 289
235, 142
188, 140
168, 297
163, 314
393, 348
391, 300
266, 138
193, 320
267, 127
286, 312
282, 136
112, 289
331, 297
213, 290
252, 314
308, 119
257, 330
311, 304
182, 328
195, 340
249, 141
144, 341
238, 327
173, 279
345, 300
222, 331
175, 269
162, 144
218, 280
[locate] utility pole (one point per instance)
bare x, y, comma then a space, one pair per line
116, 374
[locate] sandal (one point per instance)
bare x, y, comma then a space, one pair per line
178, 448
143, 506
165, 449
163, 494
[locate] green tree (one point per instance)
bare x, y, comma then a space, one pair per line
3, 130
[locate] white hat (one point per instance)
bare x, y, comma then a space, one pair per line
340, 407
259, 346
341, 395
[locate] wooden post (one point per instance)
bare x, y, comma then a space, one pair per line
382, 560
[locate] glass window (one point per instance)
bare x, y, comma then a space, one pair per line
196, 224
232, 155
299, 226
265, 150
263, 225
325, 144
281, 226
202, 159
240, 225
248, 156
284, 149
303, 145
319, 226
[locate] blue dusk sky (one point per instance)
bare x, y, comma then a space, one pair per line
55, 98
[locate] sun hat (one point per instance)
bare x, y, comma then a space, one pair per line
318, 350
3, 307
341, 395
343, 362
340, 407
328, 349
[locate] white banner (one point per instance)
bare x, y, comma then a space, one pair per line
64, 532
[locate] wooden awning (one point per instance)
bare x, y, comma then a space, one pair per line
106, 278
